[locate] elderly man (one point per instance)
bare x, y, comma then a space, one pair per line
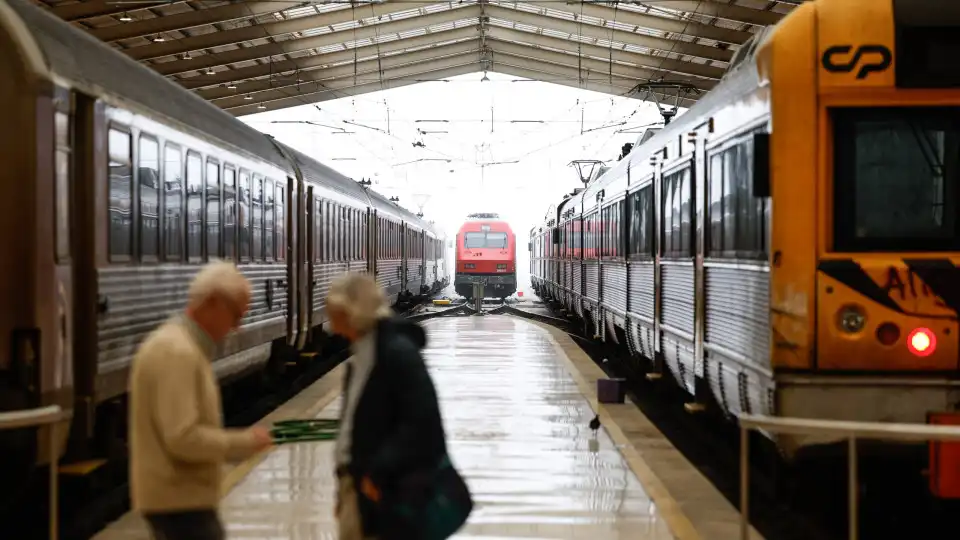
177, 440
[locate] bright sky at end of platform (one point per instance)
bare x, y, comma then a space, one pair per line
537, 124
541, 126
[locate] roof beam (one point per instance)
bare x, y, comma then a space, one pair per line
712, 8
322, 40
99, 8
209, 85
590, 30
587, 67
247, 33
455, 54
190, 19
339, 88
666, 65
549, 73
655, 22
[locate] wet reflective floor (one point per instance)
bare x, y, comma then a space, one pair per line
518, 430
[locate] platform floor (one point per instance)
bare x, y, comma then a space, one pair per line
516, 410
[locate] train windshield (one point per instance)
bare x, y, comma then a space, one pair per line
477, 240
897, 178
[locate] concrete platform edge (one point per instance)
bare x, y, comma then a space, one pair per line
692, 507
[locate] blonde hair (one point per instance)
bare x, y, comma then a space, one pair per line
218, 278
360, 297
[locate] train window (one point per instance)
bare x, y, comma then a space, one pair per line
281, 223
257, 214
194, 207
243, 216
172, 203
213, 209
229, 213
121, 192
268, 210
677, 214
148, 169
62, 187
640, 236
897, 179
737, 218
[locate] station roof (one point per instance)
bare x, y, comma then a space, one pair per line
249, 55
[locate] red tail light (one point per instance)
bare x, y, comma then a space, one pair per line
922, 342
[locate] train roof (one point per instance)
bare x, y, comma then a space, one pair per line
472, 225
316, 172
741, 78
77, 56
100, 70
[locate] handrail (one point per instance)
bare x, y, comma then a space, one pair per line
38, 417
849, 430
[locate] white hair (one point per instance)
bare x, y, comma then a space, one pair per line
360, 297
218, 278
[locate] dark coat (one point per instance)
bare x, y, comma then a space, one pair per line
398, 434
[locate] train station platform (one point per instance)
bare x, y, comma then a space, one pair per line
517, 398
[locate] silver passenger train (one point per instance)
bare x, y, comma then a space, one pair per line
118, 185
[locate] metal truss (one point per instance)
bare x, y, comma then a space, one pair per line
244, 55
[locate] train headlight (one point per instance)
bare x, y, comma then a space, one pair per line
851, 319
922, 342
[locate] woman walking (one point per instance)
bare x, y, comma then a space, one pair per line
395, 479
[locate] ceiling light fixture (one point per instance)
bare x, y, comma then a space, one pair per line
210, 71
232, 86
125, 17
158, 39
186, 56
485, 78
248, 97
261, 106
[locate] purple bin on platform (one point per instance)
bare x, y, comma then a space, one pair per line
611, 390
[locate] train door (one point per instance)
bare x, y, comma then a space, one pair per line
309, 256
372, 235
294, 255
700, 196
404, 255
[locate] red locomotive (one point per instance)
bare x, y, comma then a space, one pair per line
486, 253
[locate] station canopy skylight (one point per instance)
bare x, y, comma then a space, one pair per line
247, 55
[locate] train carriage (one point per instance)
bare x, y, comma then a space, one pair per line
789, 244
120, 184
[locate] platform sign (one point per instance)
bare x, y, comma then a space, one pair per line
944, 459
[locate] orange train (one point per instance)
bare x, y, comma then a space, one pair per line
790, 245
486, 253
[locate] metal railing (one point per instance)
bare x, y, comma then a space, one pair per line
39, 417
839, 429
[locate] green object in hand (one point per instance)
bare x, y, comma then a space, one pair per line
316, 429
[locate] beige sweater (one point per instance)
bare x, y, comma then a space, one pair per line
177, 442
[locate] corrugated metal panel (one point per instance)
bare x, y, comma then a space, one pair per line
615, 285
678, 293
141, 298
642, 297
738, 311
593, 280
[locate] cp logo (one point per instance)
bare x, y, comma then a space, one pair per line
875, 58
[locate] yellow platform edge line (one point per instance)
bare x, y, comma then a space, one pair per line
238, 473
678, 522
